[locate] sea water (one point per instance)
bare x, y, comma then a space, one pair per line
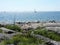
29, 16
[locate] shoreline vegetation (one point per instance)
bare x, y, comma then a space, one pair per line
31, 33
50, 34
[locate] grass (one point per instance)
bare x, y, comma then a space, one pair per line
27, 39
24, 40
0, 31
2, 43
13, 27
50, 34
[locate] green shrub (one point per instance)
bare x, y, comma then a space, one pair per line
50, 34
0, 31
26, 40
13, 27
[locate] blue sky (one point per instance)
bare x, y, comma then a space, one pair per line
29, 5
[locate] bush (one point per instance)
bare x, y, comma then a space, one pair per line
0, 31
13, 27
21, 40
50, 34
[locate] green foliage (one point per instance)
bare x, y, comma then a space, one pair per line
49, 34
23, 40
40, 27
0, 31
2, 43
13, 27
27, 43
8, 41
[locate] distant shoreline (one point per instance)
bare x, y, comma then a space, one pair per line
7, 22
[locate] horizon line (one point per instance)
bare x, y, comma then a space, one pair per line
29, 11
